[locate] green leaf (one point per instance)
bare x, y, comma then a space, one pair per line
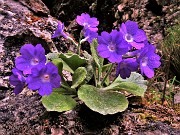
137, 79
98, 60
58, 102
135, 84
72, 61
90, 68
65, 91
106, 67
90, 72
78, 77
59, 65
52, 56
96, 57
130, 87
104, 102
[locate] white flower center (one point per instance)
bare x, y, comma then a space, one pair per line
86, 25
111, 47
128, 38
144, 61
34, 61
46, 78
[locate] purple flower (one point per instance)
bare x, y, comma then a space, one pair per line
125, 67
44, 79
18, 80
132, 34
31, 56
112, 46
148, 60
60, 31
90, 35
88, 22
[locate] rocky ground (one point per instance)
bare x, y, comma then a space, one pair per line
33, 21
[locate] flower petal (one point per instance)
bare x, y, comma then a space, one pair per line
34, 83
123, 29
106, 37
45, 89
55, 81
137, 45
57, 33
18, 89
93, 22
140, 36
27, 51
23, 64
148, 71
13, 79
116, 36
114, 57
124, 73
154, 61
103, 51
131, 27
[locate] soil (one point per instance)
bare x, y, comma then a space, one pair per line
24, 114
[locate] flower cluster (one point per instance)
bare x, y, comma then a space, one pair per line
128, 47
89, 26
87, 22
117, 45
32, 70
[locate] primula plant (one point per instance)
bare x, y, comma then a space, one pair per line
62, 79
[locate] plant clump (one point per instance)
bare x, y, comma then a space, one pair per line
125, 48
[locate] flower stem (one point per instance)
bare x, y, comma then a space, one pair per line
73, 41
73, 91
95, 79
108, 72
79, 49
99, 77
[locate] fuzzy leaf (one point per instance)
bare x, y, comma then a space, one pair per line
104, 102
58, 102
135, 84
90, 71
137, 79
64, 91
105, 69
52, 56
78, 77
98, 60
59, 65
72, 61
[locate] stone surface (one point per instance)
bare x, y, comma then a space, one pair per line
37, 6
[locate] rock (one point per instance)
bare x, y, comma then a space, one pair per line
24, 22
36, 6
155, 132
120, 7
177, 98
67, 10
164, 2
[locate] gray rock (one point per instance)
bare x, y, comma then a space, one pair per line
37, 6
17, 20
